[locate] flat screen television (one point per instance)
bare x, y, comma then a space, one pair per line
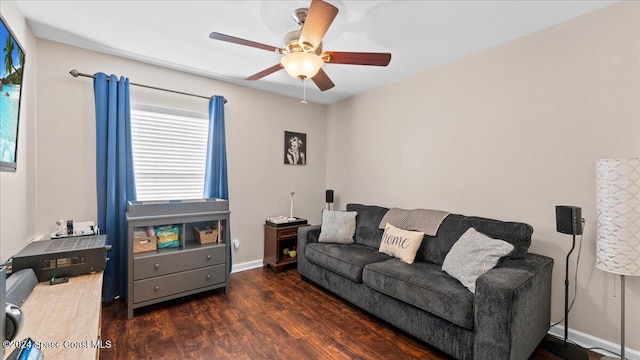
11, 71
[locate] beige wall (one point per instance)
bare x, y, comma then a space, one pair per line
17, 190
508, 133
259, 182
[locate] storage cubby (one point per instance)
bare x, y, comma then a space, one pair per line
157, 275
290, 244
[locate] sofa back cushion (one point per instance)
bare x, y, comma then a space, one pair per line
435, 248
367, 224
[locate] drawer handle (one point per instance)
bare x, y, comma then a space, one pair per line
156, 266
208, 277
156, 288
208, 257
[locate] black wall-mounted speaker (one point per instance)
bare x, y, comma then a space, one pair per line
329, 196
569, 220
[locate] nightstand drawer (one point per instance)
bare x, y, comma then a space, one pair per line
287, 233
169, 263
161, 286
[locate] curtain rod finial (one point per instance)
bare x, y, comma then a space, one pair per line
74, 73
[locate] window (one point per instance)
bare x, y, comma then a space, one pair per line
169, 153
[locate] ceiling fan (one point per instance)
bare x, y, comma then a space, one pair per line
303, 56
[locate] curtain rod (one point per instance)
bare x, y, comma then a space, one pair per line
75, 73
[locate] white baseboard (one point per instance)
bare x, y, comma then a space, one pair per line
246, 266
589, 341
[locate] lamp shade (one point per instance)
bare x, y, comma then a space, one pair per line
618, 213
301, 65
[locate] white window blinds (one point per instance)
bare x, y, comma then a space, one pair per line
169, 152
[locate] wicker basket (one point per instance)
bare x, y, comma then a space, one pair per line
144, 244
206, 234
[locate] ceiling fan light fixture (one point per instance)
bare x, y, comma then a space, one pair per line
301, 65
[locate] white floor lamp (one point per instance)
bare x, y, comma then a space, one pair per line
618, 244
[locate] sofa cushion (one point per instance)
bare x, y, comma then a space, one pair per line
402, 244
338, 227
368, 231
435, 248
425, 286
473, 255
347, 260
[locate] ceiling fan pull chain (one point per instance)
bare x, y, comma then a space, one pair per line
304, 92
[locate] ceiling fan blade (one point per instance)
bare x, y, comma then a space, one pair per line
236, 40
265, 72
319, 18
356, 58
322, 81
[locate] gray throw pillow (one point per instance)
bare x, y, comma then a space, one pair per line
473, 255
338, 227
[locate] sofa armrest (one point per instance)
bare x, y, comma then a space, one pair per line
306, 235
513, 308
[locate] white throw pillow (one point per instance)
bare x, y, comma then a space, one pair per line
473, 255
338, 227
402, 244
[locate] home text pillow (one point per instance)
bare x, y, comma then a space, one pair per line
338, 227
473, 255
400, 243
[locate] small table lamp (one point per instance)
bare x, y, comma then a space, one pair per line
618, 206
291, 218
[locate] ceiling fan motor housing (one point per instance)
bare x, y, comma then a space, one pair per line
292, 44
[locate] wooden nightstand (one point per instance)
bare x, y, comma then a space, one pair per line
276, 239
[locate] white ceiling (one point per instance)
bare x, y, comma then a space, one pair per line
419, 34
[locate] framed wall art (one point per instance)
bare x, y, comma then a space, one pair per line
295, 148
11, 73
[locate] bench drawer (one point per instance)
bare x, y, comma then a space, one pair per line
161, 286
177, 261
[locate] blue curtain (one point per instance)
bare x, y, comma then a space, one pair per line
216, 184
115, 182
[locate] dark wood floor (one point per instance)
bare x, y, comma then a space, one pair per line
264, 316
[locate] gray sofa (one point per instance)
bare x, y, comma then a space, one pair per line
506, 318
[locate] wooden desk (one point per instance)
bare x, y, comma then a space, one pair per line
65, 318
